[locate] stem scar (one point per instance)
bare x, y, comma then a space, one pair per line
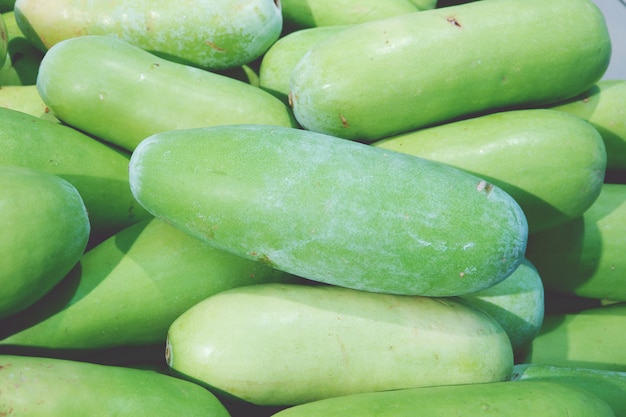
344, 122
453, 21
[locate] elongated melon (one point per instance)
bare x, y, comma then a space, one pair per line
214, 34
516, 150
402, 73
332, 210
42, 387
122, 94
504, 399
286, 344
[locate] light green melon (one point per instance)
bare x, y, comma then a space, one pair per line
214, 34
332, 210
517, 303
287, 344
503, 399
122, 94
49, 387
402, 73
46, 229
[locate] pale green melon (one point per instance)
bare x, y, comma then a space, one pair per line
45, 231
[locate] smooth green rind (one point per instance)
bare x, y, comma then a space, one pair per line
98, 171
517, 304
607, 385
45, 231
591, 338
41, 387
502, 399
516, 150
281, 344
26, 99
123, 94
332, 210
585, 257
300, 14
129, 289
394, 75
604, 106
215, 34
280, 59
